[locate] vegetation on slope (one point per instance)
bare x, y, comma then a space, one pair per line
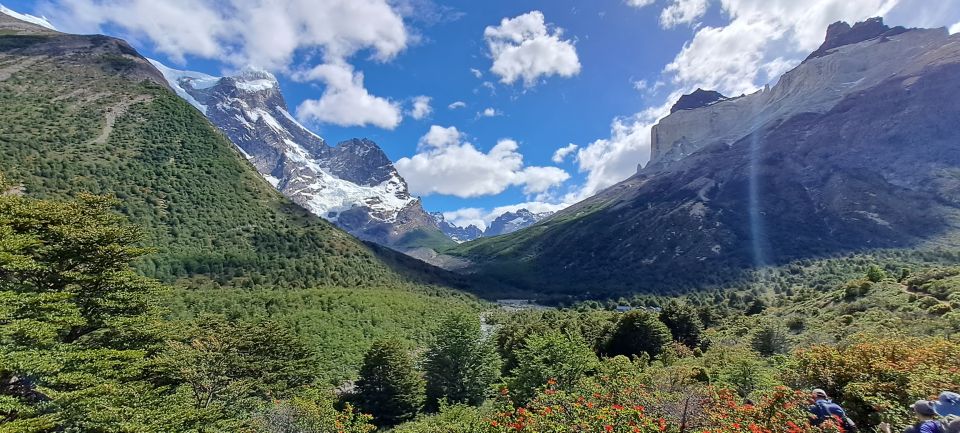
71, 124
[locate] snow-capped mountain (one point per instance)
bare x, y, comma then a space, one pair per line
512, 221
353, 184
455, 232
507, 222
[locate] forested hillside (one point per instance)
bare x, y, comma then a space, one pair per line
88, 114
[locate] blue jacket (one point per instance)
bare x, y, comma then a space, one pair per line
930, 426
824, 409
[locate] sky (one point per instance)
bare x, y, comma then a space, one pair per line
493, 105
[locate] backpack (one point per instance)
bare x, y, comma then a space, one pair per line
846, 423
939, 426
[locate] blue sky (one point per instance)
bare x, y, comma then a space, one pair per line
595, 74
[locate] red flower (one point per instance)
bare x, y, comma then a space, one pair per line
608, 427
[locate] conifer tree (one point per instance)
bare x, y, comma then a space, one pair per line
389, 388
460, 366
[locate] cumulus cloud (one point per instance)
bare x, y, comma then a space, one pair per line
483, 217
768, 38
476, 72
421, 107
456, 104
525, 48
561, 154
449, 165
640, 3
955, 28
489, 112
264, 33
682, 12
345, 101
610, 160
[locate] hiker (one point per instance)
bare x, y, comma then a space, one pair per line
926, 422
947, 406
823, 409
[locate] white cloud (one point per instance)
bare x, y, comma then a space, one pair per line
955, 28
611, 160
456, 104
768, 37
640, 3
524, 48
476, 72
421, 107
561, 154
449, 165
489, 112
264, 33
345, 101
483, 217
682, 12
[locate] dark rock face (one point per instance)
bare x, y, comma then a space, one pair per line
699, 98
111, 55
879, 169
841, 33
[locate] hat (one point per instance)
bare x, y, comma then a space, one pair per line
819, 393
923, 407
947, 404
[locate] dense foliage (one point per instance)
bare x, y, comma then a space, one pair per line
460, 366
70, 127
389, 387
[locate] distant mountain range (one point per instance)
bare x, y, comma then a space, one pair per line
855, 149
507, 222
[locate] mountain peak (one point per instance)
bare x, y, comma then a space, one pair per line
840, 33
253, 79
698, 98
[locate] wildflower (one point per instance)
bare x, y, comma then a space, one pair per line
608, 427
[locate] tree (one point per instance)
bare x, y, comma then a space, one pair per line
555, 358
389, 387
312, 411
684, 323
638, 332
875, 274
79, 326
460, 366
770, 338
223, 362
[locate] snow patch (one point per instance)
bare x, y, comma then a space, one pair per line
40, 21
256, 85
177, 79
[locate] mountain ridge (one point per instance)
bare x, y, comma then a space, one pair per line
846, 153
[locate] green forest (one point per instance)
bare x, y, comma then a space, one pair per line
89, 344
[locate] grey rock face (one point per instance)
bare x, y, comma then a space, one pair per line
457, 233
513, 221
353, 184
